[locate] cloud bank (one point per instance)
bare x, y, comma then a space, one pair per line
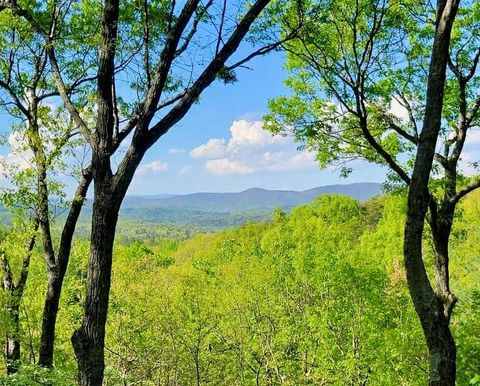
251, 149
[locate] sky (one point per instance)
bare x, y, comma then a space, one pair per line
220, 146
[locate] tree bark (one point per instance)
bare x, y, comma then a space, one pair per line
428, 305
57, 272
441, 226
88, 341
109, 191
50, 311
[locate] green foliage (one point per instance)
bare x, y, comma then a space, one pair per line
315, 296
358, 75
31, 375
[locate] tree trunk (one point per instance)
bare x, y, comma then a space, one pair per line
428, 305
50, 311
56, 273
12, 342
441, 235
88, 340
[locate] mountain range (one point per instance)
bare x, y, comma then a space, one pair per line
250, 200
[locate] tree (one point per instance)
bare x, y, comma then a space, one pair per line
356, 62
157, 43
14, 287
45, 136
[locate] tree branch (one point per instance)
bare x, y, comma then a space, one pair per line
16, 100
165, 62
473, 69
141, 142
209, 74
193, 30
402, 132
463, 192
406, 104
72, 218
106, 67
265, 49
17, 10
7, 276
22, 281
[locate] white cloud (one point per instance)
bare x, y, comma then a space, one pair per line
17, 141
473, 136
175, 151
250, 134
20, 156
225, 166
153, 167
214, 148
251, 149
300, 161
398, 110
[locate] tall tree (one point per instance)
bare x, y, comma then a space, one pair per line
357, 66
435, 308
44, 135
173, 55
14, 288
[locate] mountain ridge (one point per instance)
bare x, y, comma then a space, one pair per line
250, 199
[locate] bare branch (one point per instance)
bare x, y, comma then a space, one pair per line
14, 96
463, 192
71, 89
106, 68
142, 141
265, 49
402, 132
165, 61
193, 30
406, 104
210, 72
473, 69
441, 160
72, 218
220, 29
170, 101
389, 160
64, 93
146, 34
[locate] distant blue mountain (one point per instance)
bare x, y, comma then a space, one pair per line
249, 200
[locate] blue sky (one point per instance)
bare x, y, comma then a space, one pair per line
220, 146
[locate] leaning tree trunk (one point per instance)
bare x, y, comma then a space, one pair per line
56, 274
88, 341
429, 307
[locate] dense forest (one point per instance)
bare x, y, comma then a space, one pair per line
317, 296
333, 291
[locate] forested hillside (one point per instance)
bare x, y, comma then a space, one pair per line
100, 100
151, 218
317, 296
